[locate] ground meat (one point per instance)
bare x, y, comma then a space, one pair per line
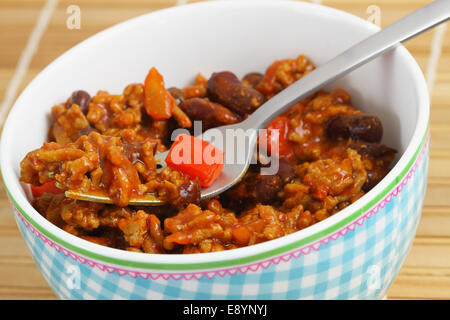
102, 164
324, 186
283, 73
81, 214
217, 229
68, 123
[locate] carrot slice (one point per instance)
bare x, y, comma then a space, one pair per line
157, 101
197, 158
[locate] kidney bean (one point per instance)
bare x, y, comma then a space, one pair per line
267, 187
211, 114
133, 150
382, 155
189, 192
357, 127
177, 94
82, 99
86, 131
226, 89
285, 170
373, 150
118, 239
372, 180
252, 79
258, 188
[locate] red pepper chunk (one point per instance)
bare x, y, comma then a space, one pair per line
268, 138
157, 101
49, 187
196, 158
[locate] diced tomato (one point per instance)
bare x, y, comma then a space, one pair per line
268, 137
157, 101
197, 158
49, 187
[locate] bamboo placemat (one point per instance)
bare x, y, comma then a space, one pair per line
25, 51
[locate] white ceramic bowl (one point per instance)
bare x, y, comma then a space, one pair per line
354, 254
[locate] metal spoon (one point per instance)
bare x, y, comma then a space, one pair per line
361, 53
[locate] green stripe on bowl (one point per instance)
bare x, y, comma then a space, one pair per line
231, 262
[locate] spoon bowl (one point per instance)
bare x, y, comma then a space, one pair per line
232, 172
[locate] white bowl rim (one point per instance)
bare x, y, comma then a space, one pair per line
258, 252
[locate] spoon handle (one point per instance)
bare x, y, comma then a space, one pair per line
364, 51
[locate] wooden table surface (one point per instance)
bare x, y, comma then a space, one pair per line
25, 52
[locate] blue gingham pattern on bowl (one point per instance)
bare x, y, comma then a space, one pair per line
361, 262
